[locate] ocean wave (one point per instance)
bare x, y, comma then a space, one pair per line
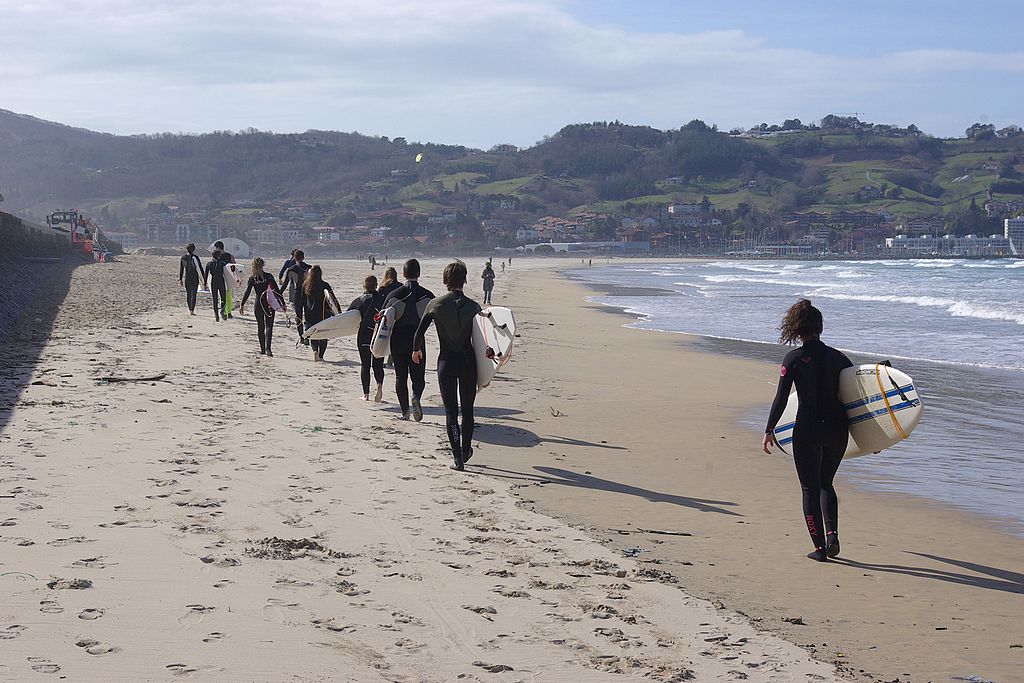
960, 309
724, 279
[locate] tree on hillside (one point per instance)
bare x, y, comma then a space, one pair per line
981, 131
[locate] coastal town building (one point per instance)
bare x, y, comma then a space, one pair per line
1013, 231
947, 245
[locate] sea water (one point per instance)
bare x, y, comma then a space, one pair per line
955, 326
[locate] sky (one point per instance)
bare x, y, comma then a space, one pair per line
483, 72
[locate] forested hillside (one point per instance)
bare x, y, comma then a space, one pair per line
841, 163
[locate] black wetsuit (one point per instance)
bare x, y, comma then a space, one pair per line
261, 309
296, 275
214, 276
191, 271
453, 314
368, 305
291, 283
415, 298
226, 258
821, 431
315, 307
488, 278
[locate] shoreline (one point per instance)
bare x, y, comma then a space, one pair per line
922, 560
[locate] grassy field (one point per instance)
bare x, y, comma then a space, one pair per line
509, 186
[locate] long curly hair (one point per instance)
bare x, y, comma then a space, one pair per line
802, 321
313, 279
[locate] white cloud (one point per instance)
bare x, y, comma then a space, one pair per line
474, 72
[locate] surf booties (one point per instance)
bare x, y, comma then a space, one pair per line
832, 544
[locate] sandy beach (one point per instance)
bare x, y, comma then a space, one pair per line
247, 518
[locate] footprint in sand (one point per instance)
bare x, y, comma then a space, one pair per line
12, 632
93, 563
215, 637
194, 615
43, 666
95, 647
50, 607
60, 542
90, 613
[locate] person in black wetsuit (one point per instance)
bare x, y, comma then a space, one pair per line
189, 274
415, 299
295, 275
260, 282
315, 297
390, 282
488, 278
368, 305
453, 315
226, 257
289, 262
822, 429
213, 279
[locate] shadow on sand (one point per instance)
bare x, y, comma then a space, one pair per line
554, 475
996, 579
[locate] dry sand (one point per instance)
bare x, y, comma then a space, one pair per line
247, 518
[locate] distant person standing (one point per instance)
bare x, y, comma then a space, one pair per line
189, 274
822, 429
296, 277
213, 279
488, 278
502, 266
369, 304
415, 297
261, 283
316, 297
226, 258
453, 315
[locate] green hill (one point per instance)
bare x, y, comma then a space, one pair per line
843, 164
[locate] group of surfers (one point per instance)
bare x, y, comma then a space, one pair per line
819, 437
313, 300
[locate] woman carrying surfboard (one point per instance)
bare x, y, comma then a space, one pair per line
368, 305
268, 301
453, 315
315, 298
821, 432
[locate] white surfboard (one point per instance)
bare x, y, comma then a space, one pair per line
341, 325
494, 333
234, 275
380, 344
882, 405
233, 246
275, 300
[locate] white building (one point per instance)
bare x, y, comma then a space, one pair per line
1013, 230
947, 245
680, 210
525, 234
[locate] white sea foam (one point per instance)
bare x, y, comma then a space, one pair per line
960, 309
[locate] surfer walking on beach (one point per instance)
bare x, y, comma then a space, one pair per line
369, 305
488, 278
189, 274
289, 262
260, 283
296, 277
226, 258
822, 431
315, 298
213, 279
415, 298
453, 314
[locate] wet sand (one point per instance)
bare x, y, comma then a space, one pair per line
622, 430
